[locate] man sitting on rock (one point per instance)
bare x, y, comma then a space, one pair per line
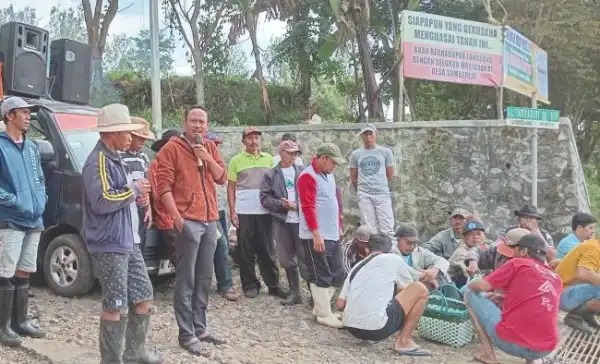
526, 325
380, 296
446, 241
584, 227
434, 269
580, 272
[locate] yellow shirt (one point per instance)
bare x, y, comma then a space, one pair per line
585, 255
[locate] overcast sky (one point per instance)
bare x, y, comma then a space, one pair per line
136, 17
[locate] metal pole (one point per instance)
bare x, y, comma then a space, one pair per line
154, 45
534, 158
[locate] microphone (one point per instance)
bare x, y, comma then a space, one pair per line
200, 141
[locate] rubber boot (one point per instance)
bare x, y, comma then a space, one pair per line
112, 340
295, 296
20, 323
588, 316
135, 341
321, 297
7, 335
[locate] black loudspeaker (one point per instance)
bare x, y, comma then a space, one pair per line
70, 71
24, 49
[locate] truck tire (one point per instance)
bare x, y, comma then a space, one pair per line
68, 267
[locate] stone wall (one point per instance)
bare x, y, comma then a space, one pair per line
480, 165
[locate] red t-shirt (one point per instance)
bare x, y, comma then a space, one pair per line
530, 308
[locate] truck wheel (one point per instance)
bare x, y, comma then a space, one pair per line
68, 267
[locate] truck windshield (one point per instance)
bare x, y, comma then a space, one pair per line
76, 129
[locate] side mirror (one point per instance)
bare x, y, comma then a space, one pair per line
47, 153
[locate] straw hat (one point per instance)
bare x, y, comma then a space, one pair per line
114, 118
144, 132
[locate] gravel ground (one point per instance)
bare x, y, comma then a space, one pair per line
258, 331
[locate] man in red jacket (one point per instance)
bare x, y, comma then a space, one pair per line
188, 170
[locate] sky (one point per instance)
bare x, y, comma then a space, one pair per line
135, 17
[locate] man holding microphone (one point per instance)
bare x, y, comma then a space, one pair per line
188, 168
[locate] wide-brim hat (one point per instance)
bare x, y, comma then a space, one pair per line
167, 135
145, 131
528, 210
115, 118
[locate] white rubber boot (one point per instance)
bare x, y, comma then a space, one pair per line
321, 297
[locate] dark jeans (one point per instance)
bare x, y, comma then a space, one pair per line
326, 268
222, 269
256, 243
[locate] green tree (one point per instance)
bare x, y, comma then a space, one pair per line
26, 15
138, 56
67, 23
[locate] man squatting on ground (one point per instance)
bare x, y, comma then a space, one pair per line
21, 222
320, 227
279, 195
188, 171
113, 242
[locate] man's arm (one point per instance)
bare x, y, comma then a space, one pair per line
338, 195
340, 303
231, 196
436, 244
586, 269
389, 164
354, 169
431, 260
216, 166
267, 195
307, 191
100, 190
498, 279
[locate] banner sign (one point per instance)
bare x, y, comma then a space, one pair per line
532, 118
440, 48
525, 66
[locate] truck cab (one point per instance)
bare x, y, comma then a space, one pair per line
63, 133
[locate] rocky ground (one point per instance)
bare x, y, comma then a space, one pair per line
258, 331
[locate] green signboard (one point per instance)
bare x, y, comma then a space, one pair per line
532, 118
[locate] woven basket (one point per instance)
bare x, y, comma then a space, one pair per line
446, 320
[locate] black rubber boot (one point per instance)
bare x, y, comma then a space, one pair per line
7, 335
135, 341
588, 316
293, 278
20, 323
111, 341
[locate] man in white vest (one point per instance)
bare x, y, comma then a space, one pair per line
320, 227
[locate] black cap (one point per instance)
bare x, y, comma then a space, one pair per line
528, 210
533, 242
473, 225
408, 232
288, 136
164, 139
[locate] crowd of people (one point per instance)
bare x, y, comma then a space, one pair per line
284, 213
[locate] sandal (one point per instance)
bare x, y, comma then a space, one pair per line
416, 351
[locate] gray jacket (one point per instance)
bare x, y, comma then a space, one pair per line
443, 244
423, 259
273, 189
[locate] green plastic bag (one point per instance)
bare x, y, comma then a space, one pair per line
446, 320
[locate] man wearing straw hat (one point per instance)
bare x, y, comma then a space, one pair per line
136, 165
110, 237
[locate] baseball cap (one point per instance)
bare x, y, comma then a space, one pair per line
368, 127
535, 243
288, 136
332, 151
251, 130
473, 225
288, 146
407, 232
505, 244
13, 103
157, 145
362, 234
460, 212
214, 137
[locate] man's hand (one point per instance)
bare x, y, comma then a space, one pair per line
234, 219
202, 153
178, 222
289, 205
148, 217
318, 242
430, 274
143, 186
143, 200
472, 268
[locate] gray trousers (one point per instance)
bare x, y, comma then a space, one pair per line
289, 246
194, 270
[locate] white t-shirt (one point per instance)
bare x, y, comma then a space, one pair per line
289, 175
277, 159
372, 289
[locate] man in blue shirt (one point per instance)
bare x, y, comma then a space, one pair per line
584, 227
22, 202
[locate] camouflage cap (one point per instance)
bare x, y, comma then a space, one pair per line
332, 151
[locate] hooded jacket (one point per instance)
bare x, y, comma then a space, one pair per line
22, 184
193, 188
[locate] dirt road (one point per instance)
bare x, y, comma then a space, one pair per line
258, 331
